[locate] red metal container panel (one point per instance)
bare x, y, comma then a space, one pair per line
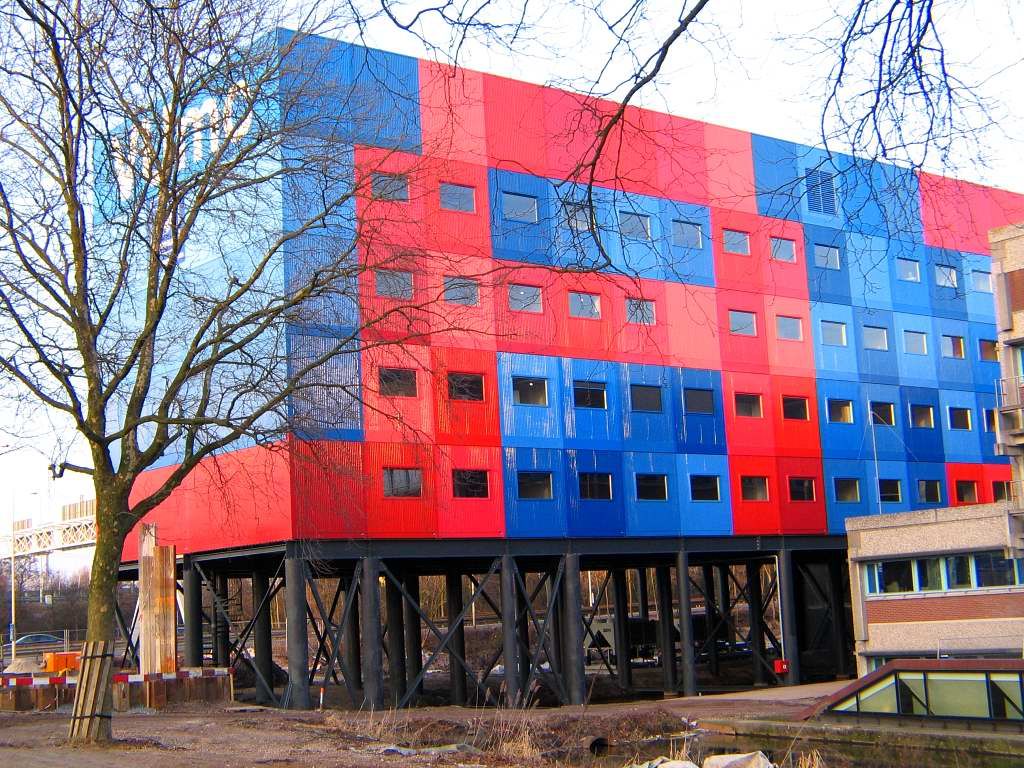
457, 324
789, 357
742, 352
515, 125
465, 422
460, 518
801, 516
750, 435
394, 319
235, 499
784, 278
452, 113
796, 437
389, 418
740, 271
958, 215
682, 170
400, 517
456, 232
751, 517
694, 330
967, 473
995, 473
593, 338
327, 489
530, 332
634, 342
385, 223
729, 160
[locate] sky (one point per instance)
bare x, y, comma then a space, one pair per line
754, 65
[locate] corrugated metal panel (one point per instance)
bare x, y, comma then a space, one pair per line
400, 518
802, 517
529, 241
916, 369
832, 361
327, 489
529, 332
750, 435
742, 353
840, 440
706, 518
789, 357
946, 301
649, 517
923, 443
535, 518
825, 284
465, 422
959, 214
694, 333
651, 430
730, 168
328, 404
925, 471
985, 371
515, 125
460, 518
452, 112
396, 418
796, 437
960, 445
682, 170
854, 504
599, 428
876, 365
703, 433
595, 517
531, 425
752, 517
887, 442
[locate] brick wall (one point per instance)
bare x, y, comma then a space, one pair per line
1005, 605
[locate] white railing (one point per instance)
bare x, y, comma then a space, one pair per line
50, 537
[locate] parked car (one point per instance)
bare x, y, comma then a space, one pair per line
33, 643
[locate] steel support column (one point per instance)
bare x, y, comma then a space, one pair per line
457, 645
572, 615
350, 643
710, 618
837, 611
413, 632
297, 633
396, 641
725, 607
666, 630
509, 636
787, 604
688, 668
373, 663
643, 594
620, 630
222, 630
193, 615
261, 634
756, 620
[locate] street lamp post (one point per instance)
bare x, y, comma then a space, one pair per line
14, 613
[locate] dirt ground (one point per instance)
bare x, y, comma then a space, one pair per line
207, 736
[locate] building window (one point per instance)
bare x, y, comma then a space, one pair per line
876, 337
466, 386
833, 334
783, 250
754, 488
390, 186
742, 323
736, 242
991, 569
640, 311
534, 485
645, 397
897, 576
635, 225
945, 276
577, 216
403, 483
847, 489
987, 351
789, 328
699, 400
794, 408
457, 197
958, 572
686, 234
990, 419
908, 270
584, 305
967, 491
922, 416
748, 405
801, 489
589, 394
840, 411
953, 346
652, 487
397, 382
915, 343
1001, 490
461, 290
826, 256
596, 486
525, 298
929, 491
959, 418
529, 391
393, 284
929, 574
516, 207
704, 488
883, 414
890, 491
981, 281
469, 483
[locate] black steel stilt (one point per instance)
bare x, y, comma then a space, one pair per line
687, 665
353, 657
666, 628
557, 620
261, 634
644, 595
837, 613
396, 641
297, 633
756, 621
575, 671
787, 599
193, 615
222, 630
509, 637
725, 607
413, 632
620, 630
457, 645
372, 652
523, 631
710, 619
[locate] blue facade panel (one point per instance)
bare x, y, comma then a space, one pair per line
592, 427
590, 516
889, 470
825, 284
986, 419
882, 441
962, 445
525, 425
909, 277
924, 476
870, 275
953, 348
855, 504
922, 432
680, 264
978, 288
831, 360
916, 350
946, 283
706, 518
521, 240
875, 363
841, 439
986, 372
535, 518
702, 432
647, 430
776, 177
653, 517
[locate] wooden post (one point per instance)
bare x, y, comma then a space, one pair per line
158, 636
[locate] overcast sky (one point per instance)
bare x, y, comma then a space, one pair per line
758, 66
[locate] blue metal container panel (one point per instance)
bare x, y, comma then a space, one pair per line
882, 441
824, 284
702, 432
987, 402
986, 372
946, 301
834, 362
889, 470
645, 430
953, 372
962, 446
839, 511
875, 365
895, 192
916, 370
981, 305
574, 249
924, 470
330, 408
686, 265
910, 295
648, 517
776, 177
923, 443
637, 256
814, 159
597, 428
840, 440
706, 518
531, 425
590, 517
535, 518
870, 273
518, 240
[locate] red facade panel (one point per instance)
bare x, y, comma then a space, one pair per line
460, 421
694, 328
682, 170
457, 232
452, 113
752, 516
967, 484
749, 435
390, 517
529, 332
386, 224
995, 473
327, 489
385, 318
742, 351
457, 323
593, 338
798, 437
515, 125
796, 514
392, 418
957, 214
789, 356
729, 159
634, 342
460, 517
759, 269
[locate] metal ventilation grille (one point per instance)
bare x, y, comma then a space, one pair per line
821, 192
